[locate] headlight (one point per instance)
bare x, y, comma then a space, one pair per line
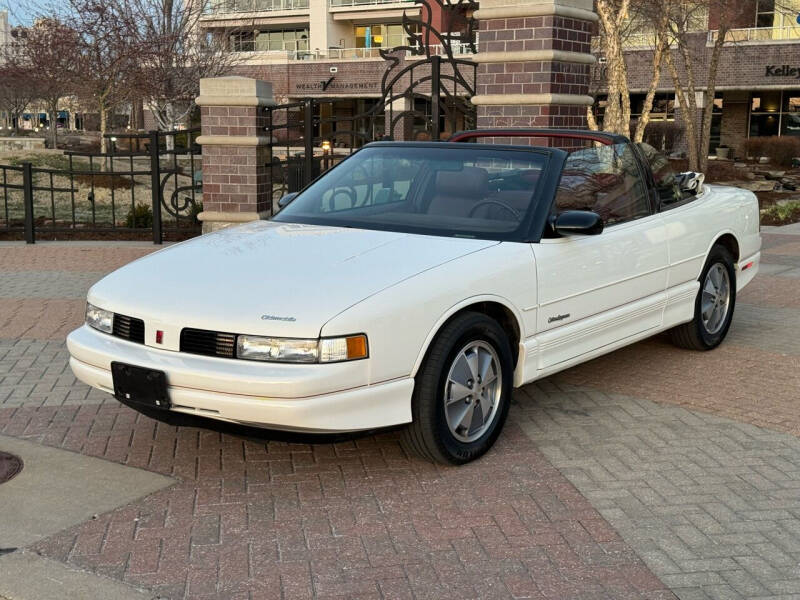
253, 347
270, 349
102, 320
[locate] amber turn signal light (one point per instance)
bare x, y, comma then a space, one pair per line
356, 347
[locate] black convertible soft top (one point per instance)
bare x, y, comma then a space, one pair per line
575, 134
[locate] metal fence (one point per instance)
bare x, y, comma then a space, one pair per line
146, 184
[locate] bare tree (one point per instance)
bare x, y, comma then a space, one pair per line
47, 58
176, 56
654, 12
684, 57
107, 53
613, 18
644, 23
16, 92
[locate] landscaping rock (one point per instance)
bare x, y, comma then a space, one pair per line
754, 186
776, 175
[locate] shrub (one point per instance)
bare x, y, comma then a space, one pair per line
781, 214
195, 209
141, 216
779, 149
49, 160
105, 180
663, 135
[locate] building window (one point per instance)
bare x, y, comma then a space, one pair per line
243, 41
663, 107
289, 40
599, 109
765, 13
778, 15
382, 36
775, 113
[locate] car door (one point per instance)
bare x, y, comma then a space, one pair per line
597, 290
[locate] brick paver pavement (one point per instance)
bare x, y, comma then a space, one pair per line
356, 519
753, 377
712, 505
707, 503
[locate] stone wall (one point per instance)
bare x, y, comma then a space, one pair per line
17, 144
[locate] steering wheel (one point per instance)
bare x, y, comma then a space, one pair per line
502, 205
348, 191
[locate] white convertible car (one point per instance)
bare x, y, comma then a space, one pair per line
418, 283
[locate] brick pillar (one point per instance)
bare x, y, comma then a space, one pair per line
403, 128
735, 112
534, 63
235, 150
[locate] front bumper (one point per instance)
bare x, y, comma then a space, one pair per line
314, 398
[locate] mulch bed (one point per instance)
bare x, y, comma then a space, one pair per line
10, 465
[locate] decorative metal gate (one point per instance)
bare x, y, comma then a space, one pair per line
146, 184
421, 97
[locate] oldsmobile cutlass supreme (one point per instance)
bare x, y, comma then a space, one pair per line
418, 283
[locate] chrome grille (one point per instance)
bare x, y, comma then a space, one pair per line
128, 328
209, 343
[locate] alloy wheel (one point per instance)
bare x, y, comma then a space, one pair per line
472, 391
716, 298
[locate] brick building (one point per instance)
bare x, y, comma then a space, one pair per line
758, 81
330, 49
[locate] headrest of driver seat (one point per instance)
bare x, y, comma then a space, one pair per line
470, 182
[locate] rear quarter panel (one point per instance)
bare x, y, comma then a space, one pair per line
401, 321
693, 228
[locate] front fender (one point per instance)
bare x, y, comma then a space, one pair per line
401, 321
463, 305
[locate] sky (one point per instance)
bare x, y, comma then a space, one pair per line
16, 15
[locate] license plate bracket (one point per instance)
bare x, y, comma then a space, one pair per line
140, 385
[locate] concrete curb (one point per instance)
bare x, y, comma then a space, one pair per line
28, 576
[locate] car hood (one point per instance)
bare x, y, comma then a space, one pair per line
268, 278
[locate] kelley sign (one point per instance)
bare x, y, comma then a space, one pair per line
782, 71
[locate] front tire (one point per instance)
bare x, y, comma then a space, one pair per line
713, 310
462, 391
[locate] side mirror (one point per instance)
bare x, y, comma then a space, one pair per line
577, 222
286, 199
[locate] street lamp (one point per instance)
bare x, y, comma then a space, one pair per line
326, 148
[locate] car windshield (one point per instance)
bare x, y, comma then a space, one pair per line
475, 191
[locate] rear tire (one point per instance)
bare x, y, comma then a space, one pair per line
713, 308
462, 391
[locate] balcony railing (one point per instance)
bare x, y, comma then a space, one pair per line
331, 54
240, 6
758, 34
341, 3
458, 49
345, 53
